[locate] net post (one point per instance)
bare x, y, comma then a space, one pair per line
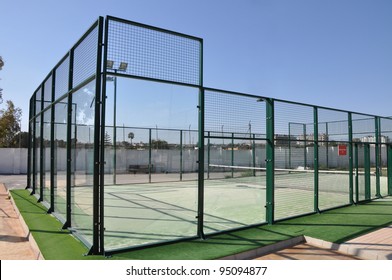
316, 160
350, 155
270, 161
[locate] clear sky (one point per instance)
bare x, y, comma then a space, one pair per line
335, 53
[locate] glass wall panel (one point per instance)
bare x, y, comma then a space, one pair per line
46, 168
83, 113
148, 203
60, 156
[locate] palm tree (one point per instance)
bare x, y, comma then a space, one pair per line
131, 135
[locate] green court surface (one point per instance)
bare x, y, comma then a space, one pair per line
336, 225
142, 214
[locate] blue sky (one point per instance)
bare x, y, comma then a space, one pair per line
335, 53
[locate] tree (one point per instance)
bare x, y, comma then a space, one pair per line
21, 140
131, 135
1, 67
107, 140
9, 121
9, 124
1, 90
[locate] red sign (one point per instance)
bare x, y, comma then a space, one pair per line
342, 150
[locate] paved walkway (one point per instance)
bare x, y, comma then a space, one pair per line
14, 243
306, 252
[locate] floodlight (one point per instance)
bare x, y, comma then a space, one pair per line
109, 64
123, 66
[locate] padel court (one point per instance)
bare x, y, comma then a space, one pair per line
129, 149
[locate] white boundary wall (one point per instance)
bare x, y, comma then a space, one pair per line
13, 161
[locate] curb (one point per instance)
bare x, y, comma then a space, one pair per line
252, 254
26, 230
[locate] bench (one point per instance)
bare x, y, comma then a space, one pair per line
141, 168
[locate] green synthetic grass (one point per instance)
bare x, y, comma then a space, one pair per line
336, 226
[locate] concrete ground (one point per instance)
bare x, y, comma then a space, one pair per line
14, 241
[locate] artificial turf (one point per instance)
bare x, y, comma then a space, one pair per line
338, 225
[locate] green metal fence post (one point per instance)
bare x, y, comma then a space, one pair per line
208, 155
356, 163
69, 175
34, 152
305, 152
254, 154
41, 149
115, 130
181, 155
389, 158
367, 171
377, 155
316, 160
99, 140
200, 210
232, 155
149, 154
53, 168
290, 145
350, 155
270, 161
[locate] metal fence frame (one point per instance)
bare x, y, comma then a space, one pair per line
38, 106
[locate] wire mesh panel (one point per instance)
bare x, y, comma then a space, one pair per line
62, 78
386, 140
359, 172
38, 100
294, 137
363, 128
383, 170
334, 163
153, 53
82, 161
234, 137
85, 57
47, 97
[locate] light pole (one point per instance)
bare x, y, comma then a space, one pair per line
123, 68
